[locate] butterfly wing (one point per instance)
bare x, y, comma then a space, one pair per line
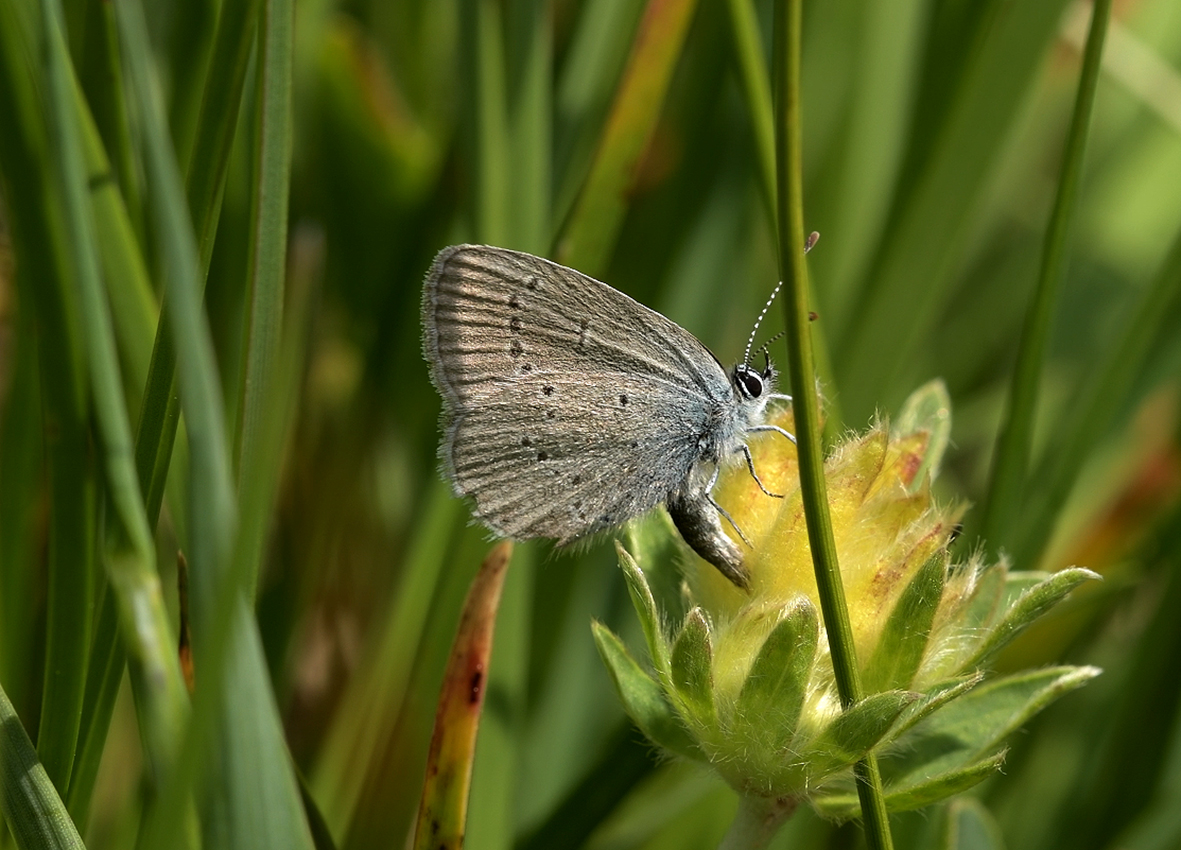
568, 407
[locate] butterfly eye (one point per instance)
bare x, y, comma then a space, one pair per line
750, 383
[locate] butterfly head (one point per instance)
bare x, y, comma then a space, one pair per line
751, 382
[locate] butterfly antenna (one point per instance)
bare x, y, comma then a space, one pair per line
808, 244
751, 340
765, 348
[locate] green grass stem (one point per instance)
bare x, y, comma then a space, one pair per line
205, 185
529, 69
212, 501
20, 470
756, 90
103, 85
483, 51
1011, 461
806, 403
1100, 401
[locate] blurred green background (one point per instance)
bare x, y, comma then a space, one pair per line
629, 140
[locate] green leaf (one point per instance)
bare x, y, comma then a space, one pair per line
1017, 582
942, 786
642, 697
933, 700
903, 643
645, 607
691, 673
775, 688
1027, 607
916, 796
927, 409
854, 733
958, 735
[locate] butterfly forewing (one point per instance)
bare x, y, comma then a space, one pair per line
566, 404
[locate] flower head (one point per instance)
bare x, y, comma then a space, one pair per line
744, 681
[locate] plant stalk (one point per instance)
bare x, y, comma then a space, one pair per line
794, 272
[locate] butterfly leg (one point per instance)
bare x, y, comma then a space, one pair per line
697, 516
750, 464
709, 494
774, 428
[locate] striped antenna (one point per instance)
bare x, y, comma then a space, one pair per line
751, 340
813, 237
766, 346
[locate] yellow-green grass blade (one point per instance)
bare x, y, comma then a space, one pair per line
589, 234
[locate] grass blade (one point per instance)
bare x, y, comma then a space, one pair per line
898, 302
484, 76
1099, 403
590, 232
21, 451
221, 101
1011, 461
756, 88
43, 282
268, 247
247, 733
130, 552
103, 87
31, 806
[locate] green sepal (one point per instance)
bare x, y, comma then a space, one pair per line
927, 409
1017, 584
1030, 604
904, 639
645, 607
984, 603
691, 673
908, 798
857, 729
642, 697
653, 540
777, 683
973, 725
